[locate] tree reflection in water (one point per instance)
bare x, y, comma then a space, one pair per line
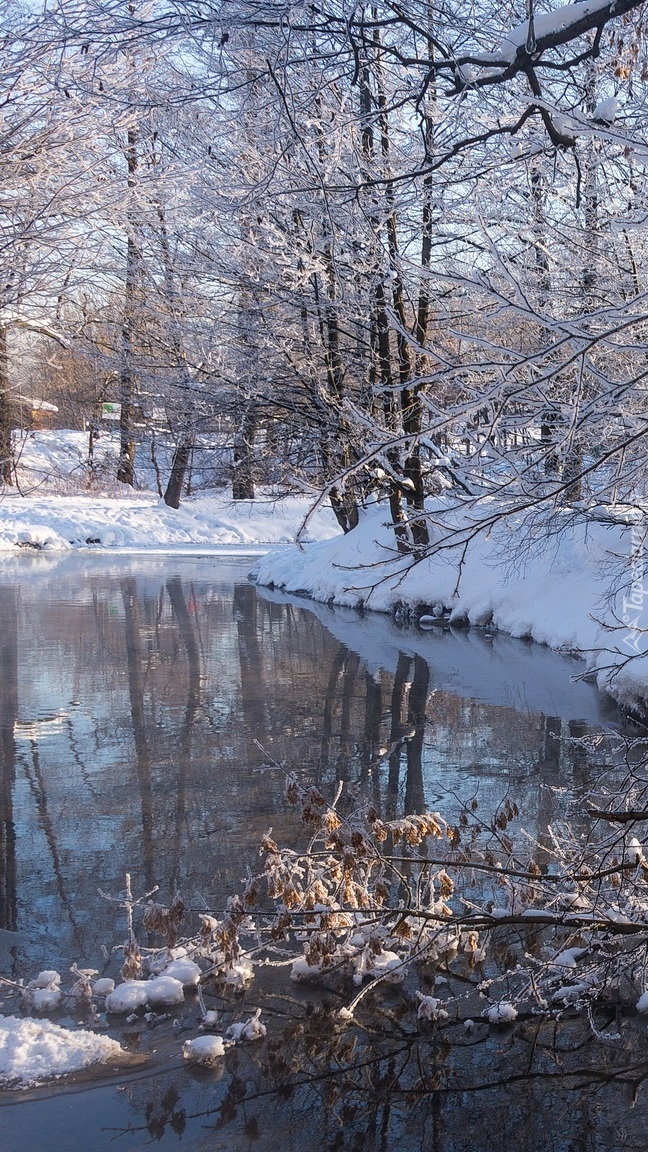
8, 715
539, 1087
162, 679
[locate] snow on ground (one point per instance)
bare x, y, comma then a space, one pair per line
141, 522
32, 1051
576, 589
56, 461
53, 462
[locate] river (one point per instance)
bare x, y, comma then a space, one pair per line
149, 709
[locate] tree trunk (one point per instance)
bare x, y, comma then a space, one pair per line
410, 413
336, 441
179, 465
243, 467
573, 465
126, 466
184, 447
345, 509
550, 415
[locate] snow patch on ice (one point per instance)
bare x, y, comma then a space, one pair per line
164, 990
251, 1029
127, 997
184, 970
32, 1051
203, 1049
642, 1002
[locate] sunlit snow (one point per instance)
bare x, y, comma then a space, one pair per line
35, 1050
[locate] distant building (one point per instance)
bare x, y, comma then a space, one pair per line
34, 413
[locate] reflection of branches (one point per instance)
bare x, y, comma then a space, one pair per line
39, 791
8, 715
136, 694
393, 1088
330, 696
74, 748
188, 632
250, 662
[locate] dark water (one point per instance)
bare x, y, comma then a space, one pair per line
139, 701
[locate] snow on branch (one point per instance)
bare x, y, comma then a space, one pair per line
525, 45
9, 320
552, 29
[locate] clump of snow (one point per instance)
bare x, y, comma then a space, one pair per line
570, 993
633, 852
103, 987
157, 991
574, 900
46, 979
389, 966
164, 990
210, 1018
431, 1009
642, 1002
44, 999
606, 110
569, 958
44, 993
184, 970
501, 1013
302, 970
251, 1029
32, 1051
239, 974
386, 964
127, 997
203, 1049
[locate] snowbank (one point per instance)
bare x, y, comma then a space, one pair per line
35, 1050
143, 522
577, 588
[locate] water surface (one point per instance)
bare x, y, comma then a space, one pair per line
141, 702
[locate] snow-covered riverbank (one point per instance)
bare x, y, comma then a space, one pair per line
580, 588
142, 522
575, 584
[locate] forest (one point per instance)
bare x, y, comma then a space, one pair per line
376, 250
